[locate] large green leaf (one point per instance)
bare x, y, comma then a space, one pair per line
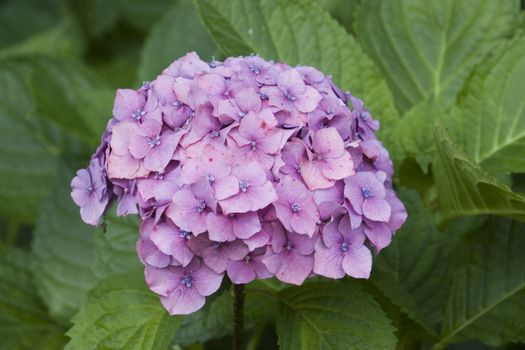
98, 17
121, 313
24, 321
71, 96
490, 118
176, 33
20, 20
412, 133
487, 300
62, 40
331, 315
115, 250
414, 271
26, 165
466, 189
299, 33
427, 48
63, 250
49, 107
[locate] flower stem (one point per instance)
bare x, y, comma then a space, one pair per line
238, 316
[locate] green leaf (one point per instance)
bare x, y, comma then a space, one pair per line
96, 17
331, 315
412, 133
73, 97
414, 271
490, 118
466, 189
215, 319
26, 166
24, 319
342, 10
427, 48
115, 250
63, 251
176, 33
62, 40
50, 107
121, 313
22, 19
487, 300
299, 33
99, 17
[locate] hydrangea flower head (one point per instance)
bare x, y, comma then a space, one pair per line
248, 168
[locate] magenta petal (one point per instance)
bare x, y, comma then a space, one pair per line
311, 172
206, 281
125, 167
276, 98
220, 227
304, 222
303, 244
328, 261
376, 209
272, 261
239, 203
226, 187
127, 101
248, 100
295, 268
93, 210
260, 239
163, 281
358, 262
290, 81
121, 135
328, 143
183, 301
181, 251
159, 157
379, 234
308, 100
163, 235
241, 272
215, 259
339, 168
331, 235
246, 225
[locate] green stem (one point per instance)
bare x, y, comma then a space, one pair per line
238, 316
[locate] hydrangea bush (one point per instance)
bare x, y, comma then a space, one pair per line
245, 167
265, 178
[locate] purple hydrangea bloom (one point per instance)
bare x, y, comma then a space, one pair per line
367, 196
248, 168
248, 268
183, 290
89, 192
342, 251
290, 255
295, 207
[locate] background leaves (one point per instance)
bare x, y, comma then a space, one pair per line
427, 48
121, 313
487, 300
331, 315
24, 318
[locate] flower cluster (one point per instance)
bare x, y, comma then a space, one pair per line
245, 167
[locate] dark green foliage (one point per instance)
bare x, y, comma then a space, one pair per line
445, 78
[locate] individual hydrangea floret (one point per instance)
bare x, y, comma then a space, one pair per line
248, 168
